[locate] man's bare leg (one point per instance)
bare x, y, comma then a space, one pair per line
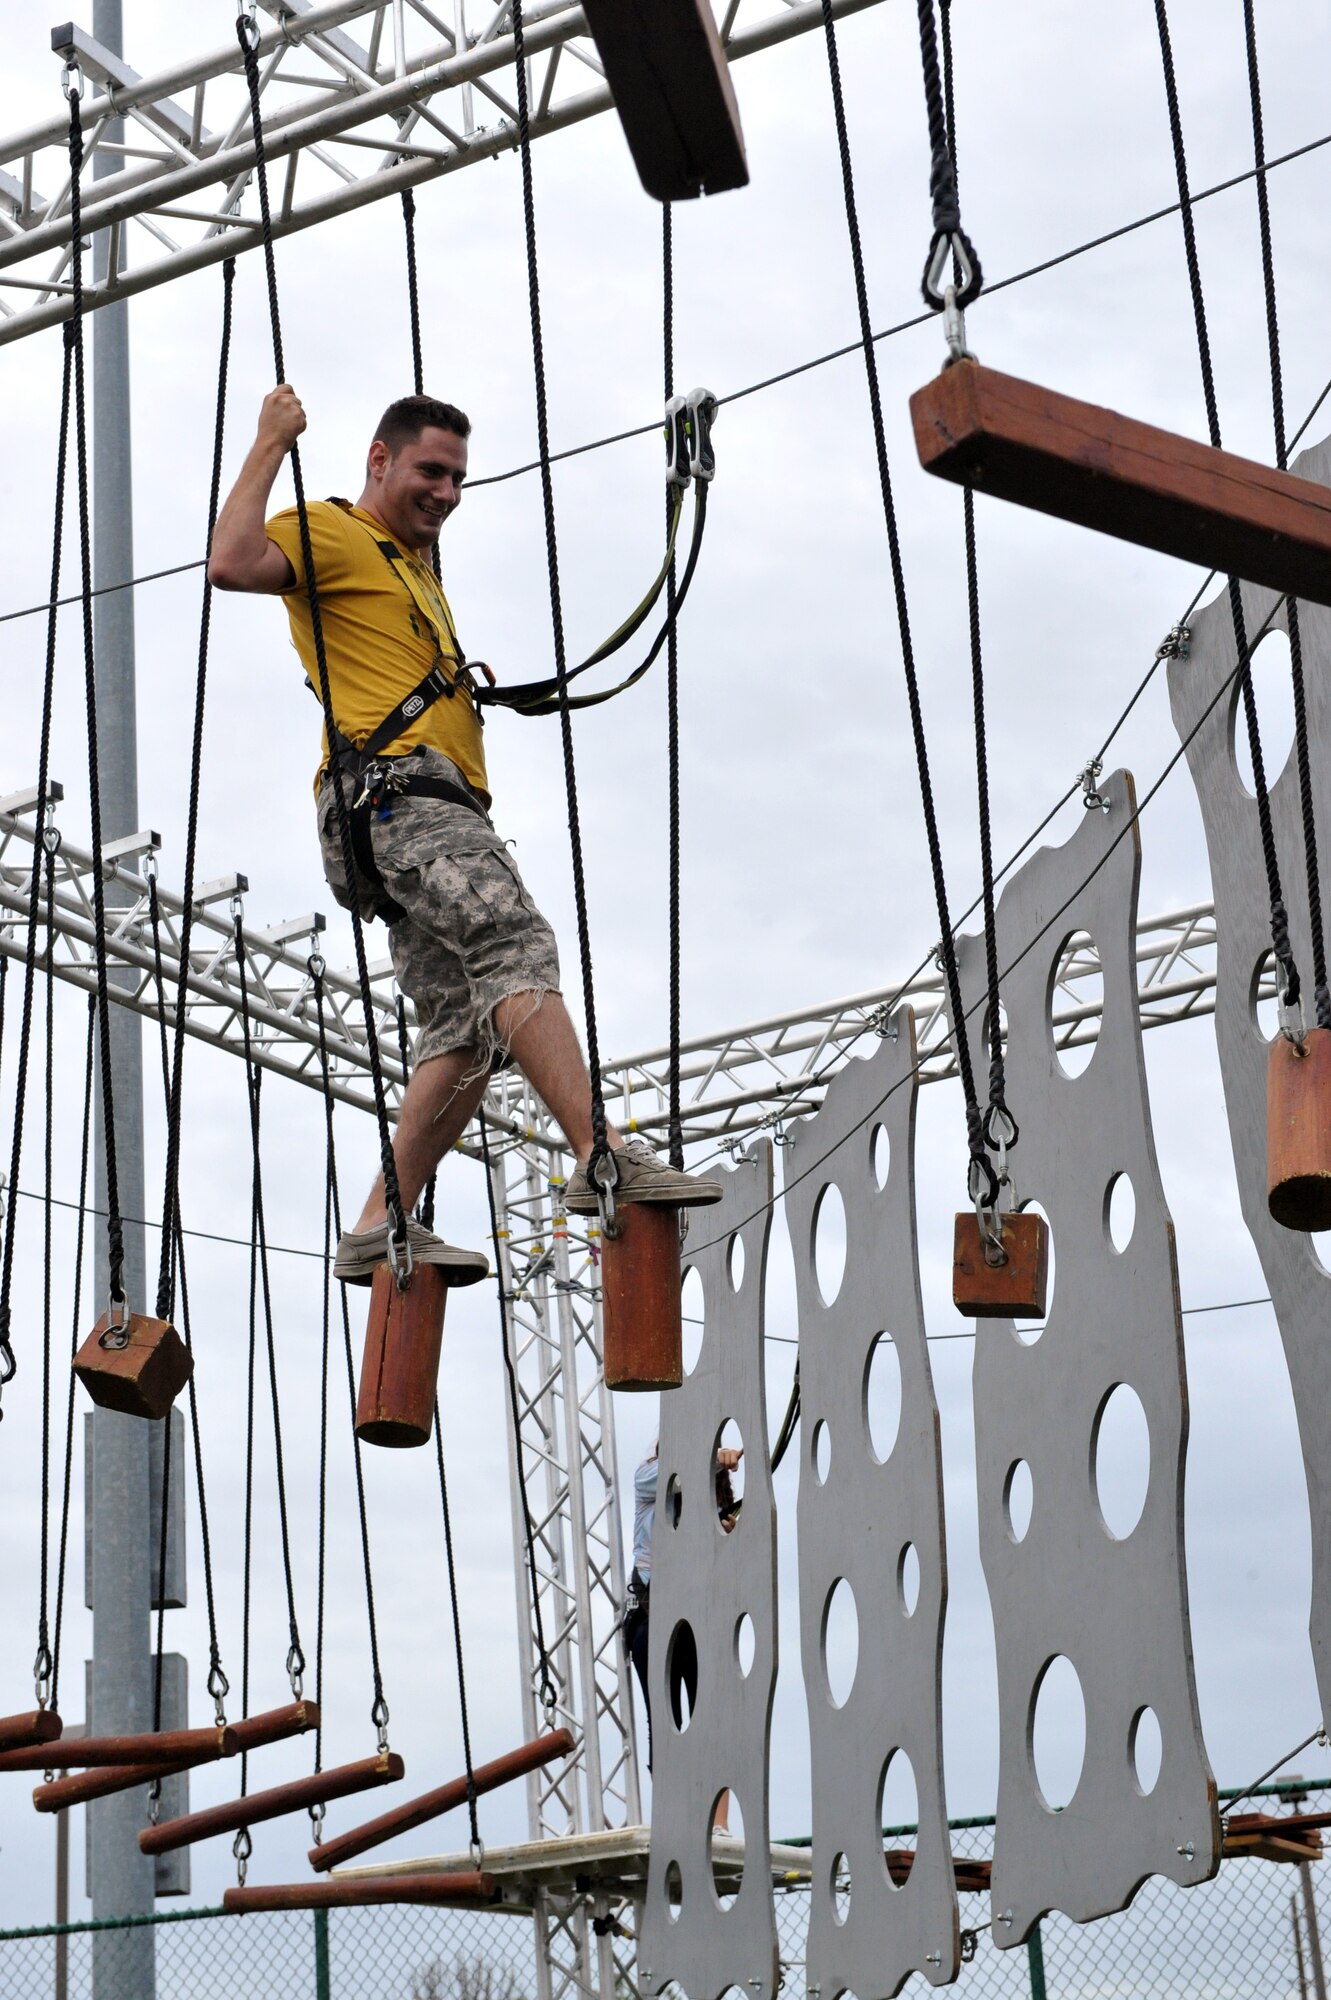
440, 1098
537, 1028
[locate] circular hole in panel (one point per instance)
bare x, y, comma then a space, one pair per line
880, 1155
820, 1451
1057, 1732
1273, 690
1145, 1749
1319, 1242
1076, 983
908, 1578
1262, 1001
735, 1261
829, 1243
1120, 1212
691, 1310
1028, 1331
1120, 1460
882, 1396
840, 1641
682, 1674
839, 1884
729, 1478
727, 1874
745, 1644
674, 1888
1018, 1499
673, 1505
898, 1816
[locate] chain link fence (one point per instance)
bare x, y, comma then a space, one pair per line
1235, 1938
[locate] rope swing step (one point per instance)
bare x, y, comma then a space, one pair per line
431, 1805
159, 1748
256, 1730
1021, 442
668, 75
469, 1887
338, 1783
19, 1732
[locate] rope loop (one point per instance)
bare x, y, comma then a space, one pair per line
219, 1687
982, 1183
296, 1666
379, 1717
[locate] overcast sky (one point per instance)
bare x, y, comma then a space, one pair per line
804, 860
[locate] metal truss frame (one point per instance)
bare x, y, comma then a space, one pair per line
352, 121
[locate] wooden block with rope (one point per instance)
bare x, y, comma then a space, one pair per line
642, 1322
1298, 1130
1015, 1288
134, 1364
669, 77
400, 1367
1021, 442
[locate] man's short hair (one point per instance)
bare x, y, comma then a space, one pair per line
403, 421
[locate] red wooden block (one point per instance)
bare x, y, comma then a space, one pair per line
1027, 444
640, 1299
668, 75
1015, 1290
399, 1373
138, 1367
1298, 1130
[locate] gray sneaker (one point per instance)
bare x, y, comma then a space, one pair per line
360, 1253
643, 1176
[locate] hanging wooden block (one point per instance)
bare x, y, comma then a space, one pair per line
272, 1726
468, 1886
641, 1318
339, 1783
1021, 442
1298, 1130
39, 1725
399, 1372
275, 1725
1015, 1290
668, 75
430, 1805
138, 1367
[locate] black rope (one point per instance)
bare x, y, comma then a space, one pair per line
7, 1361
1287, 971
333, 1201
546, 1686
600, 1147
392, 1195
171, 1192
325, 1345
167, 1286
414, 304
253, 1080
948, 233
1322, 996
676, 1130
115, 1243
981, 1170
41, 1670
75, 1328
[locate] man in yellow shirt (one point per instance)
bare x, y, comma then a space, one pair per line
469, 946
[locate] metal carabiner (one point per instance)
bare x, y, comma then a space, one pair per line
983, 1185
400, 1261
115, 1334
605, 1179
71, 79
1293, 1021
701, 407
676, 442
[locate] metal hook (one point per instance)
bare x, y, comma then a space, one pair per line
116, 1332
605, 1179
954, 329
71, 79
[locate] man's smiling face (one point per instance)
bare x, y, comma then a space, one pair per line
415, 489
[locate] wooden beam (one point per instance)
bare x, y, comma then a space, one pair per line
531, 1756
19, 1732
159, 1748
467, 1887
671, 84
385, 1769
1028, 444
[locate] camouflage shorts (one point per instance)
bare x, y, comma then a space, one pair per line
471, 935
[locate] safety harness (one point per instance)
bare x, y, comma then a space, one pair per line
380, 780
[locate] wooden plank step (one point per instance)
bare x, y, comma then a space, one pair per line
1024, 443
671, 84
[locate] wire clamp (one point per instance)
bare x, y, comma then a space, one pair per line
1176, 645
1088, 778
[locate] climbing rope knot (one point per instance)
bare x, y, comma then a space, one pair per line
1089, 778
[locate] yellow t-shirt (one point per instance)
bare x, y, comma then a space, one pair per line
377, 641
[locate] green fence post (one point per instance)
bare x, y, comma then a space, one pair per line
322, 1985
1034, 1958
